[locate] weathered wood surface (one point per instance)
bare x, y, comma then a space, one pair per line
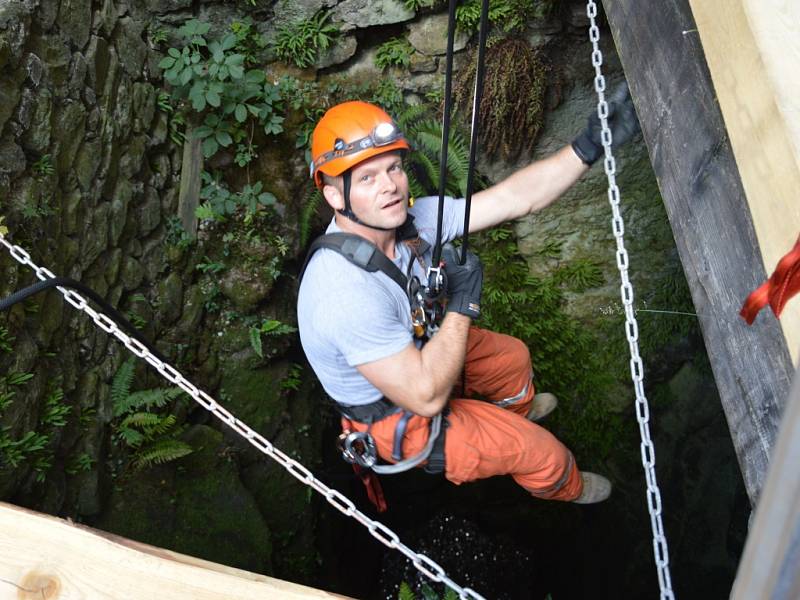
706, 205
189, 194
46, 558
752, 48
770, 565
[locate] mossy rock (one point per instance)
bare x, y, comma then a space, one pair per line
196, 505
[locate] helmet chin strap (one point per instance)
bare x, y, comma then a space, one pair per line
347, 211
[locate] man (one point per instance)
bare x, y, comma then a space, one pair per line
358, 330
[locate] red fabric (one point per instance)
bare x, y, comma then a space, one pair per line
373, 486
483, 440
781, 286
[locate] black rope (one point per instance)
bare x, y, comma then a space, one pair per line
448, 79
66, 282
473, 137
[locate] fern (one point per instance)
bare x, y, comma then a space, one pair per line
406, 593
158, 397
121, 386
310, 205
160, 452
131, 437
151, 435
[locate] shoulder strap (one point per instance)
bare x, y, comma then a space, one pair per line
358, 251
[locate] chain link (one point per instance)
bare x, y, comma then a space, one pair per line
660, 550
378, 530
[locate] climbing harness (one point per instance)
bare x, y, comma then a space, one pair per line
660, 549
379, 531
358, 448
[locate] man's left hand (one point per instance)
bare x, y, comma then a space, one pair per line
621, 120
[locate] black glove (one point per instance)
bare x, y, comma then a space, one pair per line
464, 282
622, 122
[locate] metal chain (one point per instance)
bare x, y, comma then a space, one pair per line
383, 534
660, 549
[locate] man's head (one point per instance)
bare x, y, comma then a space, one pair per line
356, 151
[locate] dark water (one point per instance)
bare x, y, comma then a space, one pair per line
493, 537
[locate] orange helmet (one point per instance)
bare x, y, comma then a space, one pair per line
350, 133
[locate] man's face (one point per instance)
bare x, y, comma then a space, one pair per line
379, 191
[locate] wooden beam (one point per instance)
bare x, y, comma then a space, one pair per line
191, 172
753, 52
44, 557
769, 565
681, 122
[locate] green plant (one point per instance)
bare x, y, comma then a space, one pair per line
81, 462
220, 202
249, 43
211, 76
513, 97
415, 5
6, 339
395, 52
3, 228
8, 383
300, 42
563, 351
579, 276
310, 205
44, 166
293, 378
209, 266
151, 435
269, 327
425, 159
428, 593
55, 411
508, 15
159, 36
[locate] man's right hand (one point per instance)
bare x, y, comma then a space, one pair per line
464, 282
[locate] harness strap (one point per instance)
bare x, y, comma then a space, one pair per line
365, 254
399, 432
367, 413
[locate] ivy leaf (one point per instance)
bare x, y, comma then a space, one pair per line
213, 99
267, 199
186, 76
174, 53
237, 72
241, 113
224, 138
229, 41
210, 147
166, 62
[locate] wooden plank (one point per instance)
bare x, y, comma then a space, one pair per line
754, 72
769, 565
44, 557
705, 202
189, 194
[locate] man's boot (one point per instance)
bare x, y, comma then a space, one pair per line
543, 404
596, 488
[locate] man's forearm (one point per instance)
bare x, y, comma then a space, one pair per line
526, 191
443, 359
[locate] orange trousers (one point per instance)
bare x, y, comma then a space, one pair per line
492, 436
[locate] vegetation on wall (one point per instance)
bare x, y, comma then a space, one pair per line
508, 15
395, 52
563, 351
145, 424
301, 42
513, 97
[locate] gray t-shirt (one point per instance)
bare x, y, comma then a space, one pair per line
348, 316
